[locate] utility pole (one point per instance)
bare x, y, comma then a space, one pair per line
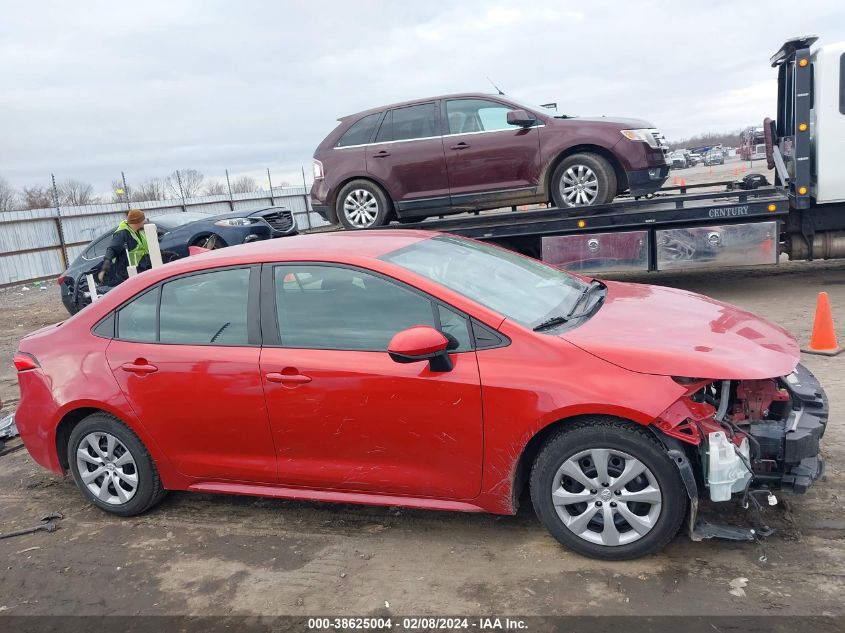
270, 182
125, 191
181, 191
229, 185
305, 197
59, 228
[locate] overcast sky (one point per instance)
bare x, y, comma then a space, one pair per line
92, 88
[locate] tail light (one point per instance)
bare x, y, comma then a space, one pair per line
318, 170
25, 362
60, 280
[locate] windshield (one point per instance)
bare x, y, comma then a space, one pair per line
520, 288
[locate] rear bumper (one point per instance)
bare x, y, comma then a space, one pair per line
642, 182
794, 443
323, 210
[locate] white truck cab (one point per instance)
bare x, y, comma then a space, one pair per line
827, 123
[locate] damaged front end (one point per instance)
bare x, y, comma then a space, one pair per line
748, 436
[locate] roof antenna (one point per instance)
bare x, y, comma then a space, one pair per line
495, 86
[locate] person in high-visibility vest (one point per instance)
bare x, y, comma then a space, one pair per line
128, 247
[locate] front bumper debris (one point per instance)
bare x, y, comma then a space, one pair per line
793, 443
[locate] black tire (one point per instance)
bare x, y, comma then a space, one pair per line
215, 241
605, 181
596, 432
373, 194
149, 490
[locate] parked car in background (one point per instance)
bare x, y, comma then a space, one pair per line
714, 157
176, 232
468, 152
423, 370
694, 159
677, 160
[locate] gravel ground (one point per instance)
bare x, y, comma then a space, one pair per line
202, 554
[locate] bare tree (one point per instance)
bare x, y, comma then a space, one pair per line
8, 196
152, 189
244, 184
74, 193
190, 180
38, 197
214, 188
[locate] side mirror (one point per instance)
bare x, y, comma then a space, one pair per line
520, 118
420, 343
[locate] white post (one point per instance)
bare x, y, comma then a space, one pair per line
152, 244
92, 288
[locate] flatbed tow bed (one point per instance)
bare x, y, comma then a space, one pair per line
636, 234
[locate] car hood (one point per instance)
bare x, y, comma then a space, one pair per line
658, 330
614, 122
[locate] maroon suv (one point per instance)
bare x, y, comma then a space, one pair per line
469, 152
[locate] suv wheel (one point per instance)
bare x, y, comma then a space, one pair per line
607, 489
582, 180
112, 467
361, 205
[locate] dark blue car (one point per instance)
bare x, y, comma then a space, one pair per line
176, 232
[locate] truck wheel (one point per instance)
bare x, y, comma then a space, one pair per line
362, 204
582, 180
112, 467
605, 488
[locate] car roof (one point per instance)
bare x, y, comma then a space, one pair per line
326, 246
459, 95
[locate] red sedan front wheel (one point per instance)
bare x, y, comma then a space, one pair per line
606, 489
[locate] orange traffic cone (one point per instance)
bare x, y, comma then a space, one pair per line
823, 339
736, 172
683, 182
674, 180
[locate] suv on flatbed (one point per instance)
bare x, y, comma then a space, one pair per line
469, 152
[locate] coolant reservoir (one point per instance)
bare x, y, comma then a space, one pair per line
727, 473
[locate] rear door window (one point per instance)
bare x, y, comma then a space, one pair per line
206, 309
361, 132
408, 123
136, 321
98, 248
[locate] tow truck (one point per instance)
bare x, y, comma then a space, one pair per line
743, 222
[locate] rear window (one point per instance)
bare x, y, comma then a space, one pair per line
361, 132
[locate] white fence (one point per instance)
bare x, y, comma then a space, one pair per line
40, 243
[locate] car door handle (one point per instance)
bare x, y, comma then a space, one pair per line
287, 378
140, 366
382, 154
460, 145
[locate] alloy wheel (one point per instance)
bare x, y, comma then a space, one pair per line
606, 496
361, 208
579, 186
107, 468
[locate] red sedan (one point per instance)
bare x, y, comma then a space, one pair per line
422, 370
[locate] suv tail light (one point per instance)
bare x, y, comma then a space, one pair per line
318, 170
60, 280
25, 362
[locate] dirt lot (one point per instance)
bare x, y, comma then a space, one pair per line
201, 554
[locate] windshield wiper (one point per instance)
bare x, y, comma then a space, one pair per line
561, 319
550, 323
